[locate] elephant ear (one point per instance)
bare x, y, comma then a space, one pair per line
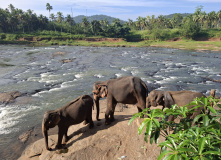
103, 91
54, 118
168, 100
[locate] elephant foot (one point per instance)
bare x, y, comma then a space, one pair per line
91, 125
112, 119
58, 147
67, 138
85, 122
107, 122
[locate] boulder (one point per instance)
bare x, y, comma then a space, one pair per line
9, 97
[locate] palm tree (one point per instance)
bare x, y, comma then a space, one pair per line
218, 14
11, 8
49, 8
95, 27
84, 23
70, 21
52, 16
60, 18
20, 16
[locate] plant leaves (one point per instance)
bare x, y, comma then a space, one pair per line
143, 124
212, 152
197, 118
149, 127
133, 118
164, 153
211, 109
205, 120
201, 145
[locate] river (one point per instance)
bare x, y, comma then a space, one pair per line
49, 77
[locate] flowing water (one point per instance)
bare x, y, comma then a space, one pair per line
47, 82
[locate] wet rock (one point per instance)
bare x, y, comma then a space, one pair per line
67, 60
24, 136
9, 97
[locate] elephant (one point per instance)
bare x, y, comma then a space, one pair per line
169, 98
75, 112
126, 90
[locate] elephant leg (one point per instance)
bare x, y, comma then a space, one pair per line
110, 111
90, 121
60, 137
141, 102
139, 109
66, 138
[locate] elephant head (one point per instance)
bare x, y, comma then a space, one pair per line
99, 91
156, 98
50, 120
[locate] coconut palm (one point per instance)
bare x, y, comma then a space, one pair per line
60, 18
49, 8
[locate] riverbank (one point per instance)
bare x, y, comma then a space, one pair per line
213, 44
113, 141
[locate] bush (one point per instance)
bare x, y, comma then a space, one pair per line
2, 36
191, 30
187, 141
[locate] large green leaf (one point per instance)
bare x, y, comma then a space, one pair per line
201, 145
205, 120
197, 118
149, 127
143, 124
164, 153
156, 122
212, 152
211, 109
133, 118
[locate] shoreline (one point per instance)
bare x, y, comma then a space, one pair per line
208, 45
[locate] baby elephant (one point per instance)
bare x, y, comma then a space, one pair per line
75, 112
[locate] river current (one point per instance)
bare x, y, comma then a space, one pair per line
50, 77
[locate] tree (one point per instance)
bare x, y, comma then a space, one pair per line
70, 21
52, 16
95, 27
49, 8
60, 18
84, 24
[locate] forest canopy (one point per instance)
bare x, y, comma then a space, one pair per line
14, 20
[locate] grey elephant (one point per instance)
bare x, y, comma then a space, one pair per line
75, 112
126, 90
169, 98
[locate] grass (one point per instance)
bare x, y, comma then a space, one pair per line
143, 38
190, 45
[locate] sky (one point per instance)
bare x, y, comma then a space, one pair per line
122, 9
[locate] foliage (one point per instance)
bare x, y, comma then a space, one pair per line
199, 138
14, 20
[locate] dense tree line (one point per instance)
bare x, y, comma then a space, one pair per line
13, 20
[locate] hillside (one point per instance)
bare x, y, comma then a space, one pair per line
78, 19
170, 16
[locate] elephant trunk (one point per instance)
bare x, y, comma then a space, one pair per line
98, 108
45, 134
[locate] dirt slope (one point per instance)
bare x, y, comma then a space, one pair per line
103, 142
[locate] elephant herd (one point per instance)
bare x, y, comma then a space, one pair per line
126, 90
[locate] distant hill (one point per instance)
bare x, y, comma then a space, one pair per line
78, 19
170, 16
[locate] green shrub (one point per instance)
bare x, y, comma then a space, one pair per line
188, 141
2, 36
